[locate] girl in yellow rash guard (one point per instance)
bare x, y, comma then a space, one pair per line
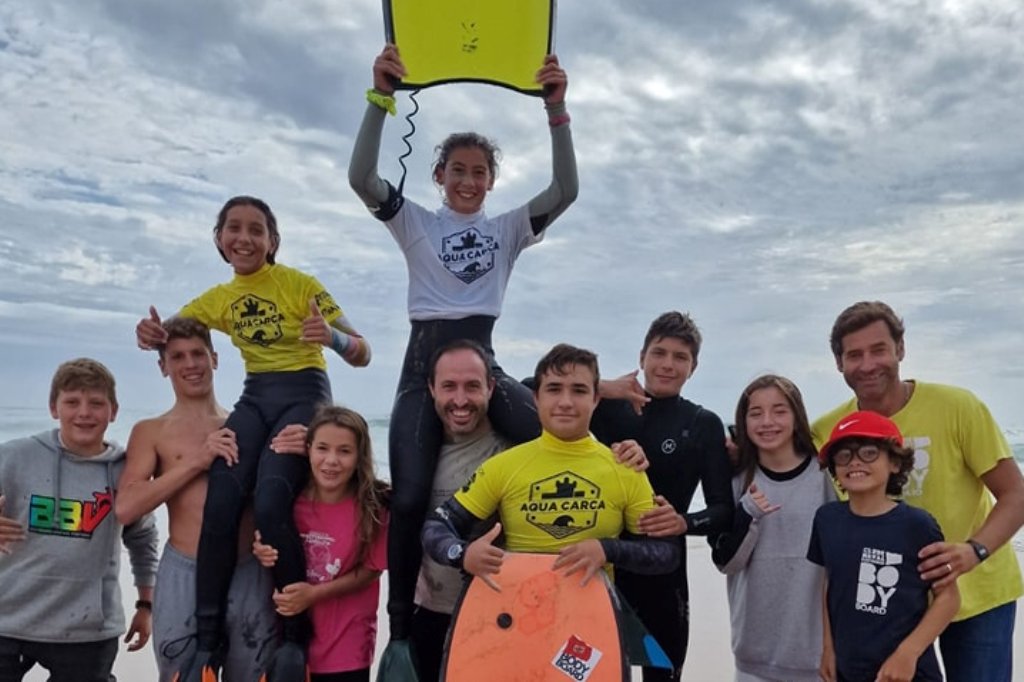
278, 318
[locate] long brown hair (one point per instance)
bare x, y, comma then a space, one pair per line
371, 494
803, 442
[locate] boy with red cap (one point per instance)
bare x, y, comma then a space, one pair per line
879, 624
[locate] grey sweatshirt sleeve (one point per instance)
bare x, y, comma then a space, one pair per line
565, 184
731, 551
142, 540
373, 190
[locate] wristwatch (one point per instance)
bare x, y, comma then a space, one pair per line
454, 554
980, 550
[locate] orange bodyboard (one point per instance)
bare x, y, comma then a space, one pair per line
541, 627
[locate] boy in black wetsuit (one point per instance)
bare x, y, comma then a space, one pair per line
685, 444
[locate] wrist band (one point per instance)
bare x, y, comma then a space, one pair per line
561, 119
339, 342
144, 604
385, 102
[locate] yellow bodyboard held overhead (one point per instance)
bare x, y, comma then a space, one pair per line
501, 42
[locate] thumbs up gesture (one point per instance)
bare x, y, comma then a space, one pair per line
483, 558
149, 332
315, 328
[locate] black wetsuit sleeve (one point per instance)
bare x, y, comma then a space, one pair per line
642, 554
715, 479
447, 526
613, 420
565, 183
731, 550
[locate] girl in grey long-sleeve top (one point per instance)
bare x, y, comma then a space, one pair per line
774, 591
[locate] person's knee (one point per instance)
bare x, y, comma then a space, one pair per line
272, 503
410, 501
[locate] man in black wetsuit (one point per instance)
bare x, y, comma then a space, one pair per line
685, 444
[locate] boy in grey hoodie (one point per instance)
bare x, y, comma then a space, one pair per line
60, 605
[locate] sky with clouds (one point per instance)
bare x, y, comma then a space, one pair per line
759, 164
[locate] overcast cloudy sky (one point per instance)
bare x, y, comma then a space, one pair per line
759, 164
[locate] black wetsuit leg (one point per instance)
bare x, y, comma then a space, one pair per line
512, 410
414, 443
662, 603
227, 492
429, 631
269, 402
361, 675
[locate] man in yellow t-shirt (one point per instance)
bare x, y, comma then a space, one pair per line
562, 493
964, 475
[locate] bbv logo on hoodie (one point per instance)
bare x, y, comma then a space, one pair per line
71, 518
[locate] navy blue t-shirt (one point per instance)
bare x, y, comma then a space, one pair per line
875, 595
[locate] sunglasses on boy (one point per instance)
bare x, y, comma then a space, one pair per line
865, 453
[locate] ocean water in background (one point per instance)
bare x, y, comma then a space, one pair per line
16, 422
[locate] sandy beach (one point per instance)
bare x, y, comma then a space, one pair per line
709, 658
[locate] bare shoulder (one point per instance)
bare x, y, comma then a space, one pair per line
143, 433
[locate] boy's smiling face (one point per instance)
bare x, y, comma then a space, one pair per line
84, 415
860, 477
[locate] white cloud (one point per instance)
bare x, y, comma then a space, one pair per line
761, 165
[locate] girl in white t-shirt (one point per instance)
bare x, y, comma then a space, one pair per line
459, 263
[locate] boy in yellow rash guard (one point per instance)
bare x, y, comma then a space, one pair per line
280, 319
562, 493
961, 456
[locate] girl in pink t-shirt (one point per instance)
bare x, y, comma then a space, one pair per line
342, 519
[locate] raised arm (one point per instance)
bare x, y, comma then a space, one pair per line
349, 343
374, 191
149, 332
339, 335
565, 186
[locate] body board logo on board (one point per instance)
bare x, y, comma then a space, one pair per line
576, 659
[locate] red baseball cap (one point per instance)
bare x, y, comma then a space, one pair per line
864, 423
